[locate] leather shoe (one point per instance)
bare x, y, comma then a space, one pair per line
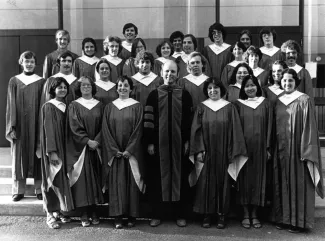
17, 197
39, 196
154, 222
181, 223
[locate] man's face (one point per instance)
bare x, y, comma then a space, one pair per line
195, 65
66, 65
291, 56
267, 38
188, 45
129, 34
62, 41
169, 72
144, 66
217, 36
177, 44
113, 48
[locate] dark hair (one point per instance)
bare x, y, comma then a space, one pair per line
130, 25
292, 44
238, 44
135, 45
203, 60
103, 61
27, 55
253, 50
277, 62
92, 82
64, 33
64, 56
171, 46
294, 76
145, 55
193, 39
57, 82
217, 83
234, 73
242, 94
245, 31
88, 40
267, 31
219, 27
176, 34
114, 39
123, 78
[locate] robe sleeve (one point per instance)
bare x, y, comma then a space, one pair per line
151, 118
196, 140
47, 118
11, 111
136, 136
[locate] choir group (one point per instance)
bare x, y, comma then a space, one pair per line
232, 125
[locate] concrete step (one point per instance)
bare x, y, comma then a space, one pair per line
6, 186
5, 172
5, 156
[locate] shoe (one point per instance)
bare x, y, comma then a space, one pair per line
52, 223
154, 222
246, 223
131, 222
39, 196
84, 220
206, 222
118, 223
221, 222
294, 229
61, 217
181, 223
17, 197
281, 226
94, 218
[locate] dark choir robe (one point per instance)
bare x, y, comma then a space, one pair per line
84, 164
116, 65
262, 76
194, 85
297, 152
129, 68
269, 56
167, 125
122, 178
106, 91
143, 85
215, 122
227, 72
306, 84
126, 50
218, 57
256, 121
55, 183
233, 92
159, 63
182, 64
22, 115
50, 66
272, 93
85, 66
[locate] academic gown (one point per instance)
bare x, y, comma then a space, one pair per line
233, 93
55, 184
129, 68
85, 66
116, 67
257, 128
268, 58
211, 177
122, 178
106, 92
84, 165
297, 162
22, 115
181, 61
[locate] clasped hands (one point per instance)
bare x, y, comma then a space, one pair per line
124, 154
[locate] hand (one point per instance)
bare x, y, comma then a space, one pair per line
126, 155
54, 159
151, 149
119, 154
92, 144
268, 155
186, 149
12, 135
38, 152
200, 157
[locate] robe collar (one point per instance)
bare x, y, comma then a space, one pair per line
28, 79
68, 77
252, 102
236, 85
145, 79
185, 57
89, 60
269, 51
176, 54
113, 60
170, 87
257, 71
105, 85
219, 49
275, 89
296, 68
127, 46
287, 99
235, 63
121, 104
58, 104
89, 104
215, 105
197, 80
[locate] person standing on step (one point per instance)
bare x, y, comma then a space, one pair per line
130, 32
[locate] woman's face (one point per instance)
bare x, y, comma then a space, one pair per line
85, 87
113, 48
288, 83
188, 45
123, 89
214, 92
250, 89
61, 91
217, 36
139, 47
241, 73
277, 72
245, 40
165, 50
267, 38
237, 51
103, 71
89, 49
28, 65
253, 59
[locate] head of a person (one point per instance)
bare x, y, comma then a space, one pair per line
103, 69
169, 72
62, 38
86, 86
240, 71
254, 55
276, 73
59, 88
196, 63
176, 38
189, 43
245, 37
217, 33
112, 45
165, 49
250, 88
28, 61
214, 89
290, 80
130, 31
238, 49
138, 45
145, 62
65, 61
89, 47
268, 36
124, 86
292, 51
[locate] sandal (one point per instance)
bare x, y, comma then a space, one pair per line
94, 219
206, 222
256, 223
52, 223
246, 223
221, 223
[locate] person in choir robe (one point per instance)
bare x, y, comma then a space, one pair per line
129, 68
84, 162
165, 51
50, 67
112, 49
194, 81
55, 183
218, 53
122, 131
297, 151
246, 38
237, 50
167, 125
22, 123
215, 121
176, 38
189, 46
255, 112
145, 80
270, 52
65, 62
130, 32
254, 56
85, 65
106, 91
237, 77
